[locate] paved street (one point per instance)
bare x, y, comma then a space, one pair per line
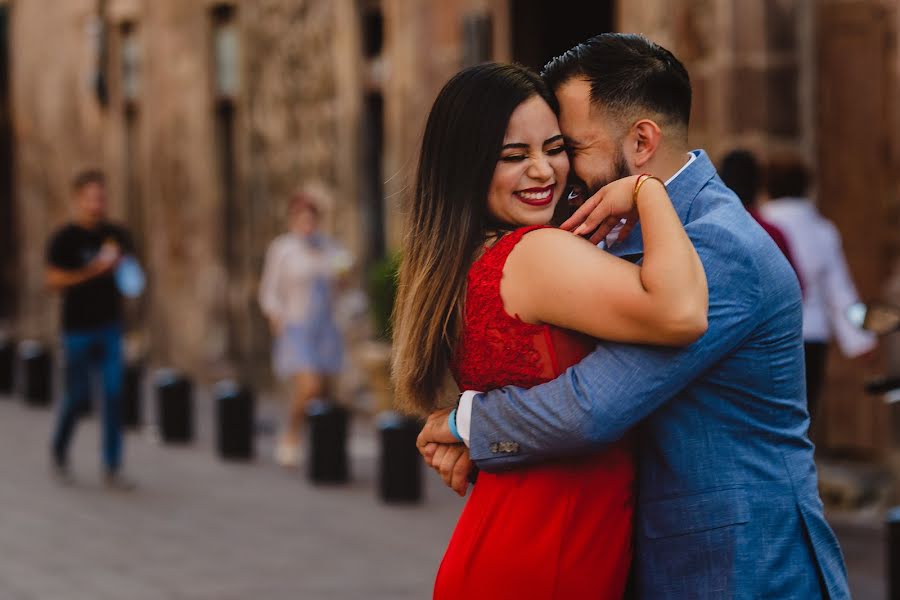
862, 538
201, 529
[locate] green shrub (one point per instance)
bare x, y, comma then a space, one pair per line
382, 280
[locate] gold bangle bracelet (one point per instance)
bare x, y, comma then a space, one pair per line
641, 180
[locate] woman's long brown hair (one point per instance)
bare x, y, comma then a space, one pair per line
447, 221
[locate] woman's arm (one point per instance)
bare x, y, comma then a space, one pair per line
341, 264
561, 279
269, 299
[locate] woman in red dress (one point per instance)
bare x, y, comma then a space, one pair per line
491, 294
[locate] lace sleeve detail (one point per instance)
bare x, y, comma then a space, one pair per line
495, 348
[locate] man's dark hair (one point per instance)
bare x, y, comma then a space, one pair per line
741, 172
626, 71
86, 177
787, 177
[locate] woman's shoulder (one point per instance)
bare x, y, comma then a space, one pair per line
282, 239
536, 241
529, 249
542, 238
283, 244
521, 232
514, 237
285, 240
546, 252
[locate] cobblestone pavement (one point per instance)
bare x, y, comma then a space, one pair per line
198, 528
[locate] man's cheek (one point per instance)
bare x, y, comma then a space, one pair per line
580, 170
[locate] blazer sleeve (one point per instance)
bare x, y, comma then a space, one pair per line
596, 401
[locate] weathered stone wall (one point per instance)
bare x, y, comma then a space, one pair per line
56, 118
892, 291
294, 124
177, 181
857, 185
744, 59
424, 48
291, 137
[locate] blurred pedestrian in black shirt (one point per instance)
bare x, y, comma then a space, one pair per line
82, 260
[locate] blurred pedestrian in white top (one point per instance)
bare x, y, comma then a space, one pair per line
827, 284
296, 294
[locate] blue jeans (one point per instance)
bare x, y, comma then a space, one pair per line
88, 352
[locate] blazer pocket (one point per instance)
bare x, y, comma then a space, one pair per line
694, 513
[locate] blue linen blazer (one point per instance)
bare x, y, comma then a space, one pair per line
728, 505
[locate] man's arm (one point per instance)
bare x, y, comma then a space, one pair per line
840, 293
618, 385
65, 270
59, 279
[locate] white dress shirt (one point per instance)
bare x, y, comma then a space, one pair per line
828, 289
464, 408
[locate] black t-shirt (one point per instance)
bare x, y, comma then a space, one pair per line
95, 302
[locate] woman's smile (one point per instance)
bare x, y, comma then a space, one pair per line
541, 196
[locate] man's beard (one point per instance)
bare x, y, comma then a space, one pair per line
580, 190
619, 171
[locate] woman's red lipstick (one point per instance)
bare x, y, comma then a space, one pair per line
536, 196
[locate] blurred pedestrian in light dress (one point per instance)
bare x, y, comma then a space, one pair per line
819, 259
296, 294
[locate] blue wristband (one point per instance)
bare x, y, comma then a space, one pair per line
451, 422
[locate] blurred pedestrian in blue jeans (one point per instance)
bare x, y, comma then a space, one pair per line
82, 258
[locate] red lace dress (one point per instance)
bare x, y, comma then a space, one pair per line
558, 530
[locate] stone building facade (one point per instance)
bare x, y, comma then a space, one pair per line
206, 114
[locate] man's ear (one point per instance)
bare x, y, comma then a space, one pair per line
645, 137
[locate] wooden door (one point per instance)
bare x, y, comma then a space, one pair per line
854, 176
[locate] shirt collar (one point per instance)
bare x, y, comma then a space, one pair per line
691, 158
682, 187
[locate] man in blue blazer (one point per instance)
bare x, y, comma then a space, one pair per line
728, 505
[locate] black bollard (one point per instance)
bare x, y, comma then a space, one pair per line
893, 553
400, 466
235, 421
132, 404
327, 461
175, 407
35, 374
7, 364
